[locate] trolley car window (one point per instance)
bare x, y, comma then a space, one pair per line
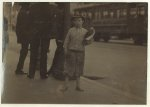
111, 14
124, 12
105, 14
142, 11
118, 14
84, 14
99, 14
90, 15
133, 11
76, 13
96, 16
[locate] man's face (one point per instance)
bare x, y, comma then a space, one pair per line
78, 22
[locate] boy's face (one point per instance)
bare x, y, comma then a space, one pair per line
78, 22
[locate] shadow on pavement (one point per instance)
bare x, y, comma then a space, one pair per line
94, 77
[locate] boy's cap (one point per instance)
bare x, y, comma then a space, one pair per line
77, 16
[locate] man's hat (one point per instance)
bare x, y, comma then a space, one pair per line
24, 3
77, 16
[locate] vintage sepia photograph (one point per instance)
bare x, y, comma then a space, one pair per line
74, 53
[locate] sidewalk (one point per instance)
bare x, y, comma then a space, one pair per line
19, 89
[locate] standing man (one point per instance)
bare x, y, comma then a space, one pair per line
22, 35
42, 16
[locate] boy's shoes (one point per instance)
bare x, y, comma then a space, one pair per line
79, 89
20, 72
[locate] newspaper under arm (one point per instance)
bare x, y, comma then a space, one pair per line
91, 35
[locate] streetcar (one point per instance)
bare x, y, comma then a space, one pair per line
121, 20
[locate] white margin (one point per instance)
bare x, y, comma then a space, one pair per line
63, 105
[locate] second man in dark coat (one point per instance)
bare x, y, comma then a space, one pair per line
42, 16
23, 36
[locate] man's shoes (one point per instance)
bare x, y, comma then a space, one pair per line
44, 77
30, 77
79, 89
20, 73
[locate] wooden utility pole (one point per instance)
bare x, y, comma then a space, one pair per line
66, 18
57, 67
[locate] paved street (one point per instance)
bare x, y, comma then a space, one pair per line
122, 66
114, 73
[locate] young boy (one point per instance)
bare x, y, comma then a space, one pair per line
74, 47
